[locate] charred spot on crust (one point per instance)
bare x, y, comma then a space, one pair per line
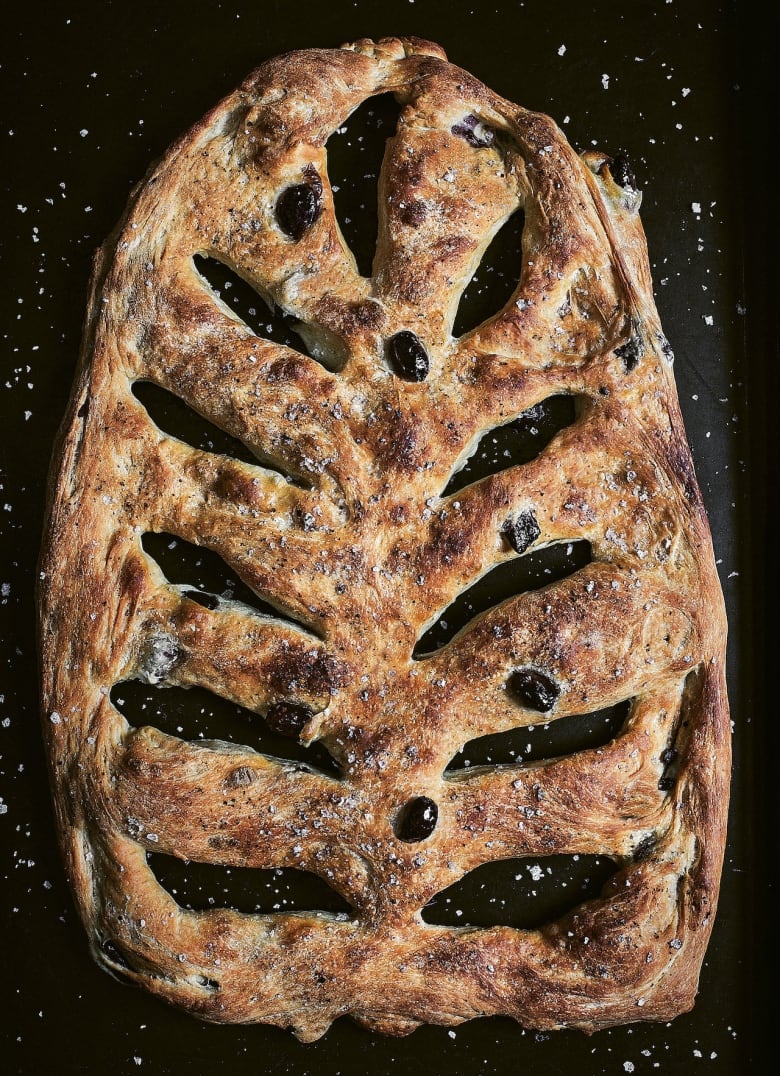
409, 171
451, 246
447, 545
133, 581
397, 440
350, 318
367, 314
413, 212
666, 348
221, 843
311, 670
240, 777
675, 449
289, 367
234, 485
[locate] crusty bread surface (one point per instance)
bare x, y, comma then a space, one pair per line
343, 525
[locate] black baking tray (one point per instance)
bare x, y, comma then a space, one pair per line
92, 93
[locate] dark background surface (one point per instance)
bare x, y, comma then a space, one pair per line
92, 93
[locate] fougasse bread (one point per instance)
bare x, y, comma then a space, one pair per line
343, 525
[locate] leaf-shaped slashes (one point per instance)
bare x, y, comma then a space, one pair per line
383, 579
495, 279
355, 153
200, 886
519, 892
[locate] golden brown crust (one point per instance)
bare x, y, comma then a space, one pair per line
644, 621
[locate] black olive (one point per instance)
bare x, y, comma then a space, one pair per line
298, 207
533, 689
287, 718
630, 353
475, 132
407, 356
666, 784
418, 820
622, 172
521, 531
